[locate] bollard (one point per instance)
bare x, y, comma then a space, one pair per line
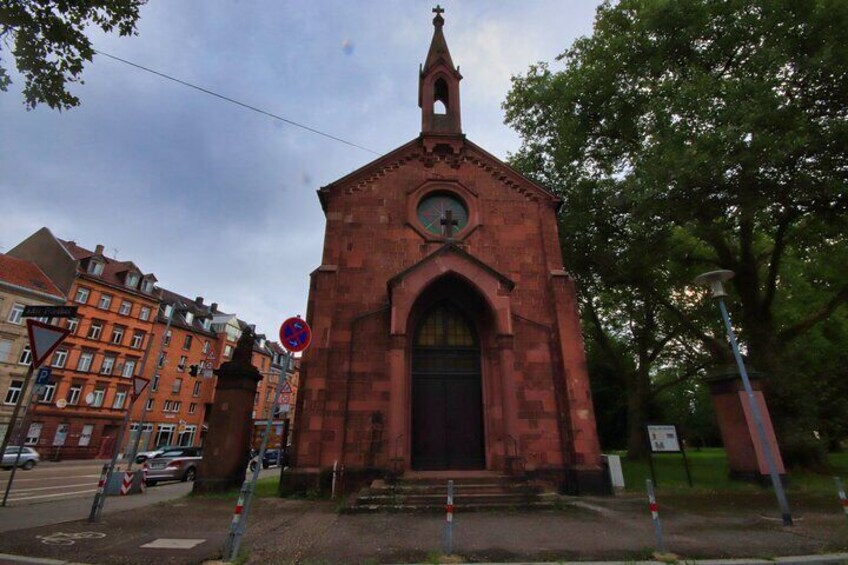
840, 489
655, 516
101, 488
236, 531
449, 521
333, 486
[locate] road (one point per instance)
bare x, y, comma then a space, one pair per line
53, 493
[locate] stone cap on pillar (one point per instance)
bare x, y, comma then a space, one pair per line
726, 378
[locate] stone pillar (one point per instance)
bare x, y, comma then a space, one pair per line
745, 458
226, 450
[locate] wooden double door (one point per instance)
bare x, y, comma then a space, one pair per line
447, 399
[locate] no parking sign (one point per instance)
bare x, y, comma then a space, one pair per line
295, 335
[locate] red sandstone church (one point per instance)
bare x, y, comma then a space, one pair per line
446, 331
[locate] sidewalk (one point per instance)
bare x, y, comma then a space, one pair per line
300, 531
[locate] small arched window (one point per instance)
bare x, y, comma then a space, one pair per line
440, 97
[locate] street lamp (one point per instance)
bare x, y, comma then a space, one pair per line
715, 280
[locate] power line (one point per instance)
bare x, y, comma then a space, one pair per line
236, 102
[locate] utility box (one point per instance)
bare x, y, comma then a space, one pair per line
616, 475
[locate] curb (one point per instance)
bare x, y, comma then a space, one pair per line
826, 559
39, 560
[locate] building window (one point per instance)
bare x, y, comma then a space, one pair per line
13, 393
16, 314
46, 396
26, 356
85, 435
192, 408
120, 398
125, 309
95, 267
82, 295
84, 362
178, 385
105, 302
95, 329
5, 349
167, 310
129, 368
60, 358
99, 395
189, 318
161, 361
33, 433
132, 280
228, 350
206, 322
196, 390
147, 286
149, 406
108, 365
182, 365
154, 386
186, 437
166, 339
172, 406
137, 340
206, 346
167, 406
118, 334
144, 314
74, 394
165, 435
187, 342
73, 324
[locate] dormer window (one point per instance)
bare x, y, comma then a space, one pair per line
167, 310
147, 286
207, 323
132, 280
189, 317
95, 267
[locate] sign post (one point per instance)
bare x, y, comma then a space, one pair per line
295, 335
664, 439
43, 341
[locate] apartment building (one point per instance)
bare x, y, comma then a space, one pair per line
79, 413
22, 284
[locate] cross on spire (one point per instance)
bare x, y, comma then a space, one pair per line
448, 222
438, 10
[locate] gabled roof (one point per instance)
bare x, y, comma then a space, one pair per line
444, 250
112, 268
183, 303
27, 276
483, 159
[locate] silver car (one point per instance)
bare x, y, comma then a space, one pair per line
28, 460
177, 464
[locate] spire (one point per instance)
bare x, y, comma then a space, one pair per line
438, 86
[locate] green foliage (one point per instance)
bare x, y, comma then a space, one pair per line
690, 136
49, 44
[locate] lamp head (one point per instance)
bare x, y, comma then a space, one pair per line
714, 280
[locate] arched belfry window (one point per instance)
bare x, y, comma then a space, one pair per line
440, 97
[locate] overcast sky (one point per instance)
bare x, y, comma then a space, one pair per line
218, 201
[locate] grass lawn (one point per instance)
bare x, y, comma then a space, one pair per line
709, 477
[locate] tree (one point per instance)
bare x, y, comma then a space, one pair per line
716, 133
47, 39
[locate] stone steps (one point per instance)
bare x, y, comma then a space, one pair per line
472, 492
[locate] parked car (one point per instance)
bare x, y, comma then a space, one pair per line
177, 464
29, 457
145, 455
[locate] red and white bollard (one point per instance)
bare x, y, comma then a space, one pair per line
144, 478
840, 489
655, 516
449, 508
236, 531
101, 489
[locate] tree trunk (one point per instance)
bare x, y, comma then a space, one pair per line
638, 398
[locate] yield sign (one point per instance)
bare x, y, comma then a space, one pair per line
43, 340
139, 384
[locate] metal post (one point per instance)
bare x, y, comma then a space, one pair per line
22, 431
12, 422
840, 490
758, 421
251, 484
449, 508
134, 449
655, 516
333, 484
236, 528
101, 489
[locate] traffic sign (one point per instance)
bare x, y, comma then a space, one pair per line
295, 334
139, 384
42, 377
208, 365
211, 355
43, 340
50, 312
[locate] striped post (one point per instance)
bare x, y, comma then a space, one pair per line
449, 508
236, 531
840, 489
655, 516
101, 488
144, 478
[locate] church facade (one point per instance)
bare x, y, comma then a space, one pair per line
445, 328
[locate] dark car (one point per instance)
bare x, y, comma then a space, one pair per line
271, 458
177, 464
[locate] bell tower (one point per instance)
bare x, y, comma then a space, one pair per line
438, 85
